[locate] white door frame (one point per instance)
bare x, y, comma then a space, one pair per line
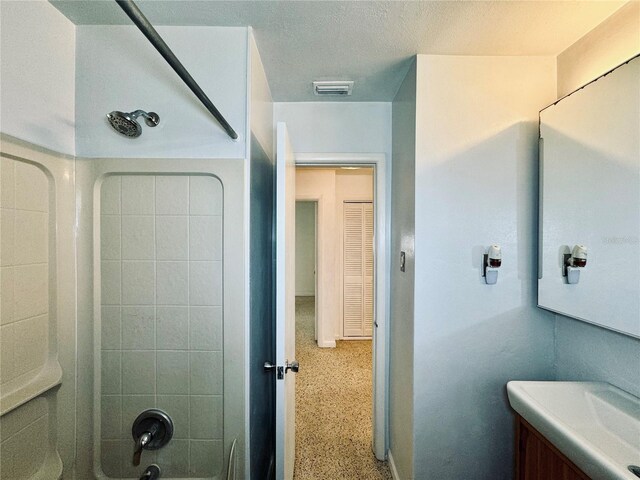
381, 291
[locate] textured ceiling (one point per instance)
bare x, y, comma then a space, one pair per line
370, 42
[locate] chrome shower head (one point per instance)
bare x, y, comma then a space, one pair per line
126, 123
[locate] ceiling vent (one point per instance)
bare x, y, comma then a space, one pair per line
333, 87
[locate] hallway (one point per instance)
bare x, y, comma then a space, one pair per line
333, 407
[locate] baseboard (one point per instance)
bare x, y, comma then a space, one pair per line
392, 467
327, 344
306, 294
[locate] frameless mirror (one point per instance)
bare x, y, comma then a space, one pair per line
590, 202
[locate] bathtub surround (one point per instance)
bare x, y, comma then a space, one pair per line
161, 316
38, 324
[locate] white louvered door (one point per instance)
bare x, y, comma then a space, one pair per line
358, 270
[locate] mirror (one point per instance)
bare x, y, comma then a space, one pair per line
590, 202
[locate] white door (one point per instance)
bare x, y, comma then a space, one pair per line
285, 304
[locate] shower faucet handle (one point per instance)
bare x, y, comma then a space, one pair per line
141, 442
152, 429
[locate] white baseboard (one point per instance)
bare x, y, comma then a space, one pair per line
392, 467
306, 294
327, 344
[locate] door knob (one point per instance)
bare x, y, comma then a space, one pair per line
293, 366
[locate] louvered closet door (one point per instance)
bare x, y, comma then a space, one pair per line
358, 269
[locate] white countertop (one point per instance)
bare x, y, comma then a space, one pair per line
596, 425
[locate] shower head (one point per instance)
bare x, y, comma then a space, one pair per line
126, 123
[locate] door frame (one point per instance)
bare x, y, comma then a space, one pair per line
382, 231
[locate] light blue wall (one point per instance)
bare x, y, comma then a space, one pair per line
586, 352
401, 325
476, 184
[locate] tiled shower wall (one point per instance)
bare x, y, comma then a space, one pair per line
161, 320
24, 319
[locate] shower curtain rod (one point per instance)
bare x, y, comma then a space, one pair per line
134, 13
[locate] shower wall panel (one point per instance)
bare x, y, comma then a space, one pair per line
36, 311
161, 335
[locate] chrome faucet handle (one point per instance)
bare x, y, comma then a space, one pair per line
152, 429
142, 441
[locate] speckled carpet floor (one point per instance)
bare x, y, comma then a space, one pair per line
333, 407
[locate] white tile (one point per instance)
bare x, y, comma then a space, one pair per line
205, 238
6, 295
111, 416
177, 407
138, 238
7, 186
205, 330
110, 237
173, 286
32, 345
172, 324
206, 373
7, 236
173, 373
31, 290
172, 238
31, 237
138, 196
138, 328
174, 458
138, 372
111, 458
205, 195
110, 373
132, 406
205, 458
32, 188
110, 195
138, 283
7, 353
110, 278
110, 323
206, 417
205, 283
172, 195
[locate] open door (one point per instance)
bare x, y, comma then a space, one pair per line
285, 305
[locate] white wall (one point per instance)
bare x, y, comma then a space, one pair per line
345, 127
583, 351
611, 43
402, 283
305, 249
118, 69
476, 184
332, 187
37, 74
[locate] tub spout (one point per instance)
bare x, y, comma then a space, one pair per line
151, 473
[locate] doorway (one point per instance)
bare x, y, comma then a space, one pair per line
335, 272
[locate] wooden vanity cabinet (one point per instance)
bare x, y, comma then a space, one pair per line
539, 459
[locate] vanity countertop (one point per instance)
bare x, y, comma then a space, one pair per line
596, 425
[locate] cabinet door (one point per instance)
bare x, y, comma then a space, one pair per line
538, 459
